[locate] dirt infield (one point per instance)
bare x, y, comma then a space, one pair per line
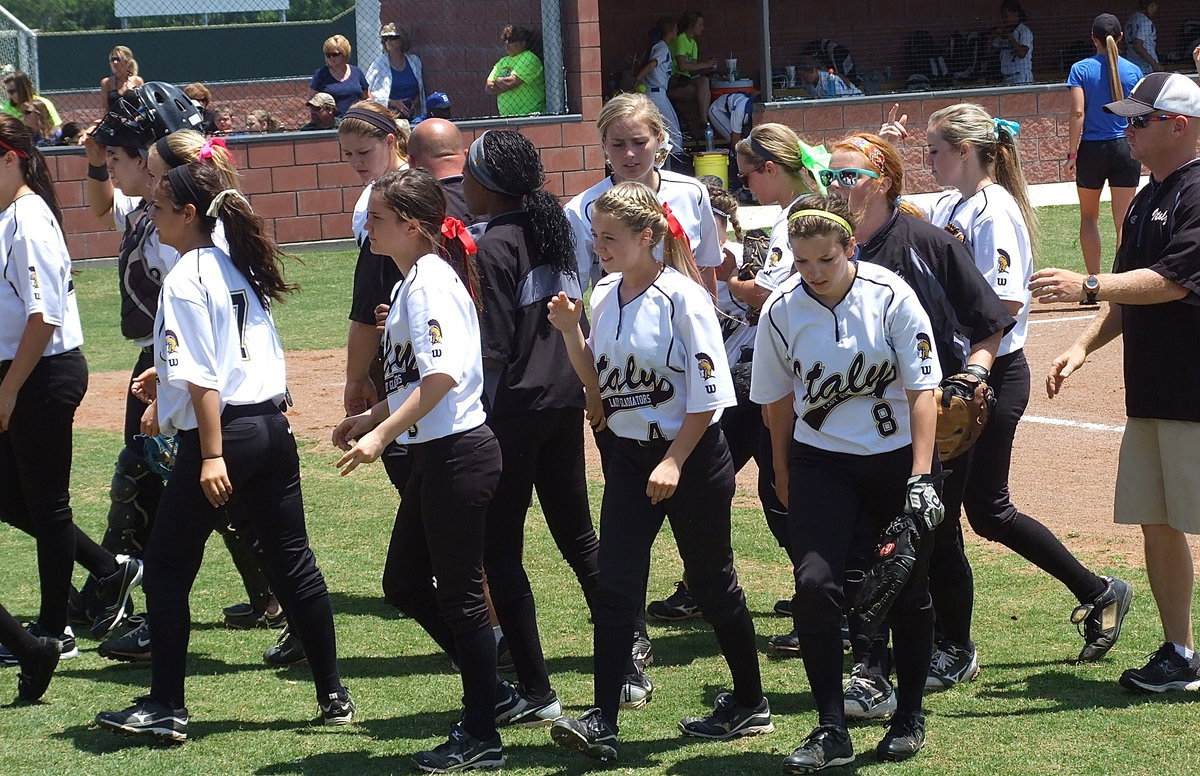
1062, 473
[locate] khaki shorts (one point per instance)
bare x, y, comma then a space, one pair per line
1158, 475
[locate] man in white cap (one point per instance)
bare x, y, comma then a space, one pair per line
1154, 305
322, 112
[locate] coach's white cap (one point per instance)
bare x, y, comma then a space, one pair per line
1165, 92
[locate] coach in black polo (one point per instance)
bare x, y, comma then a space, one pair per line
1154, 296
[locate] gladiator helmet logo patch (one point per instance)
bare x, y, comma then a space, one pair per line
33, 278
172, 341
955, 232
924, 346
776, 255
435, 332
1003, 260
706, 365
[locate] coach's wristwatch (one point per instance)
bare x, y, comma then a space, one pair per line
1091, 287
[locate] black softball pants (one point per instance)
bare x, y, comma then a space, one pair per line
991, 513
439, 533
268, 507
700, 520
839, 504
35, 473
542, 449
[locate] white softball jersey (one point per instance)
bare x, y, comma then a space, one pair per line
688, 199
661, 74
358, 221
848, 366
432, 328
991, 224
778, 264
212, 331
36, 269
659, 356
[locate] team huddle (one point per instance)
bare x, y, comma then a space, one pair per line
825, 351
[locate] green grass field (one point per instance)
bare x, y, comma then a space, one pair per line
1030, 711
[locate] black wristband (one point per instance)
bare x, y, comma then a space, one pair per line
980, 371
98, 172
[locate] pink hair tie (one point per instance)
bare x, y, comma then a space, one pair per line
206, 150
453, 229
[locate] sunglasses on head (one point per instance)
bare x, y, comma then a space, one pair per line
744, 177
1141, 122
846, 177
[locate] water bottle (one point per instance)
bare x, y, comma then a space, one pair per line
709, 140
831, 88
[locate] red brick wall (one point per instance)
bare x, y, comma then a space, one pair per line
1042, 140
304, 190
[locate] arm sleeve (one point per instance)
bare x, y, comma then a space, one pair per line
497, 324
706, 368
907, 324
439, 333
495, 72
771, 373
1075, 78
996, 246
527, 68
708, 252
979, 311
42, 283
188, 318
315, 84
1024, 36
1180, 259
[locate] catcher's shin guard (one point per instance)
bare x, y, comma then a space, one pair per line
135, 492
245, 560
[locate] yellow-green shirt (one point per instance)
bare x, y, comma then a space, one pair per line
530, 96
15, 110
684, 46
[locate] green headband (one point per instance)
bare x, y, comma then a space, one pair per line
826, 215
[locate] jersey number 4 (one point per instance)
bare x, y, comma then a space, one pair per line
240, 308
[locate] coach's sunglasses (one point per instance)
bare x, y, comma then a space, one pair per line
846, 177
1141, 122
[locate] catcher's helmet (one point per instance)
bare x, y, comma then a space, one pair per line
145, 114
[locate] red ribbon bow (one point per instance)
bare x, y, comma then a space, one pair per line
675, 227
206, 150
453, 229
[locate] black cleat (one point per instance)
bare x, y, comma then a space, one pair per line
147, 717
590, 734
37, 669
1167, 670
133, 647
904, 738
729, 720
1100, 621
461, 752
677, 606
828, 746
337, 709
112, 593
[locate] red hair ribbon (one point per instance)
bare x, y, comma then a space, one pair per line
206, 150
675, 227
453, 229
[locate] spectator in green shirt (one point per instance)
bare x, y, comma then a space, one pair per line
518, 80
691, 75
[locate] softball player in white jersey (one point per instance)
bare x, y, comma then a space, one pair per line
632, 131
43, 375
656, 74
221, 389
845, 366
991, 213
657, 379
433, 375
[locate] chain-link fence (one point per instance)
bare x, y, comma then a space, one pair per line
819, 51
261, 57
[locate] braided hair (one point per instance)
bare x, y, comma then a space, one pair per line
513, 160
636, 207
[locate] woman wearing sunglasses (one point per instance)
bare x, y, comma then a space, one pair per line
123, 79
990, 211
337, 77
968, 321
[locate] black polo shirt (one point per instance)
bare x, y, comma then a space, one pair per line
1162, 341
962, 307
375, 276
517, 284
